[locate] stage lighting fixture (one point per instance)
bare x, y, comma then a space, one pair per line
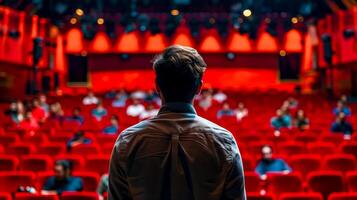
209, 22
143, 22
73, 20
247, 13
294, 20
282, 53
175, 12
100, 21
231, 56
124, 56
348, 33
79, 12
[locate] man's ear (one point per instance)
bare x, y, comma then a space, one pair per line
199, 87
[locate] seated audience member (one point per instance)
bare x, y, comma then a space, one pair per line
226, 111
152, 97
138, 94
99, 112
205, 100
78, 139
341, 125
103, 186
56, 112
268, 164
90, 99
76, 116
120, 99
113, 128
135, 109
344, 100
111, 94
241, 111
292, 103
38, 112
43, 104
29, 122
301, 121
341, 107
220, 97
62, 181
21, 111
12, 111
280, 120
150, 112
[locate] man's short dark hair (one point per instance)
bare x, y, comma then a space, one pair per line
179, 71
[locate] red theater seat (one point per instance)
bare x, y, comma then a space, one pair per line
85, 149
247, 163
76, 160
322, 148
343, 196
27, 196
291, 148
257, 196
349, 148
8, 139
36, 163
306, 138
5, 196
20, 149
102, 139
340, 162
51, 149
90, 180
351, 178
60, 138
79, 195
281, 183
11, 180
325, 182
305, 163
107, 148
301, 196
97, 163
8, 163
252, 182
1, 149
334, 138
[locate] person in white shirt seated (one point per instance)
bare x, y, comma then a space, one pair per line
220, 97
135, 109
205, 101
90, 99
241, 111
138, 95
150, 112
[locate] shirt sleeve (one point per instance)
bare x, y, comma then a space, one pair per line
259, 169
285, 166
49, 184
118, 184
234, 188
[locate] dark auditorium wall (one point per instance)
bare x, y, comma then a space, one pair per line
13, 80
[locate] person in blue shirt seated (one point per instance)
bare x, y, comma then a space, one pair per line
341, 107
225, 111
301, 121
120, 99
268, 164
281, 120
62, 181
113, 128
99, 112
76, 116
341, 125
78, 139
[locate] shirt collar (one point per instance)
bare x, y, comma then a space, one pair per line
177, 107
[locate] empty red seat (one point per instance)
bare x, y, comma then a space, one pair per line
305, 163
301, 196
8, 163
8, 139
76, 160
36, 163
51, 149
351, 179
79, 195
59, 138
291, 148
28, 196
97, 163
85, 149
340, 162
334, 138
1, 149
322, 148
5, 196
252, 182
101, 139
90, 180
257, 196
343, 196
21, 149
36, 139
306, 138
107, 148
11, 180
349, 148
281, 183
325, 182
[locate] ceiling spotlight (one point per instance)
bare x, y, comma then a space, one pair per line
294, 20
79, 12
175, 12
282, 53
247, 13
100, 21
73, 20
